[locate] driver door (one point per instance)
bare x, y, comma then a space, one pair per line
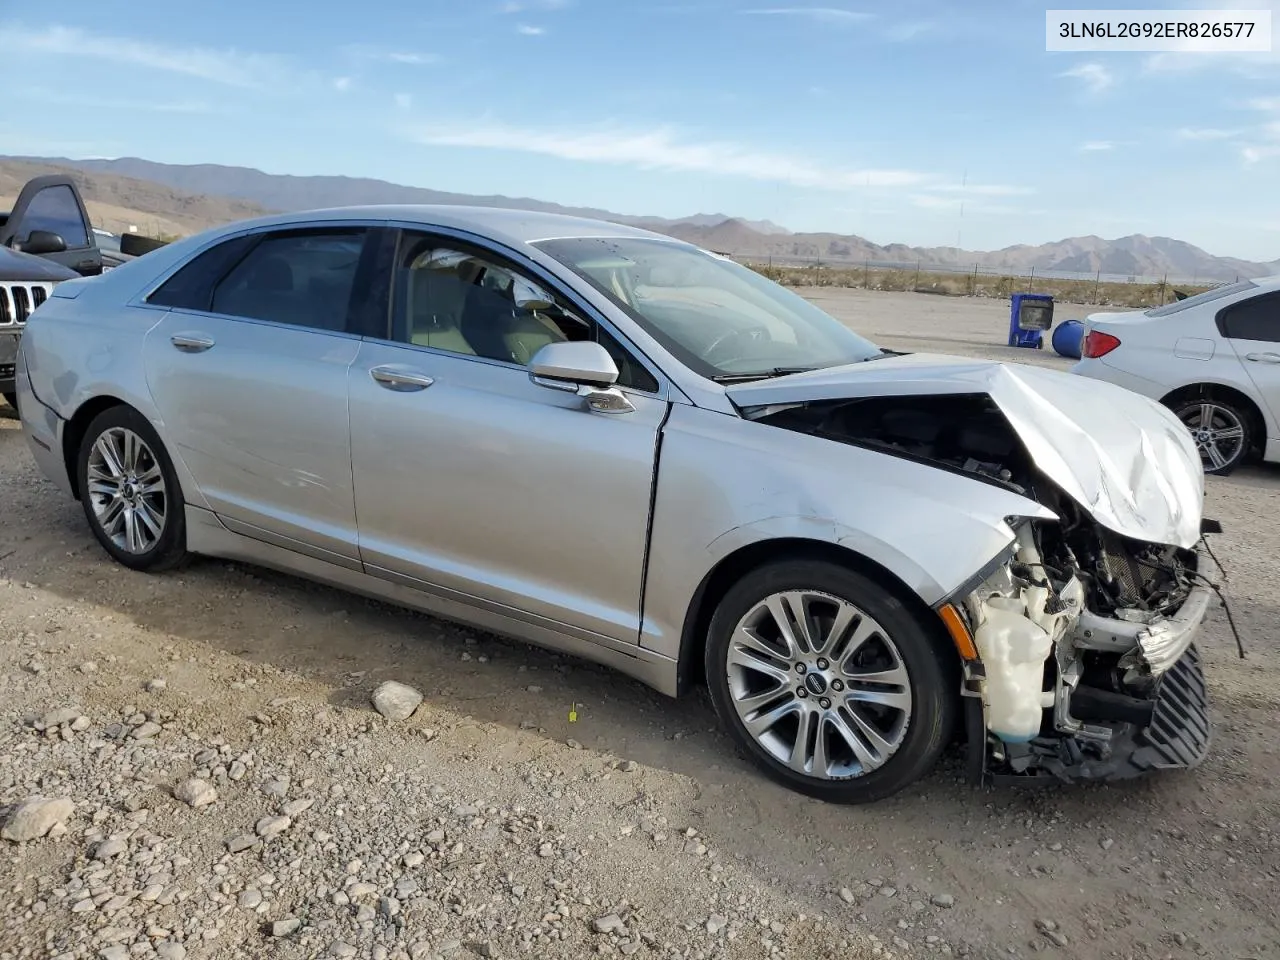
52, 204
474, 482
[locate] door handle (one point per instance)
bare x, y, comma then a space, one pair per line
1263, 357
401, 379
191, 342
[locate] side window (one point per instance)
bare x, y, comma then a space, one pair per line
1257, 318
55, 209
191, 288
300, 277
463, 302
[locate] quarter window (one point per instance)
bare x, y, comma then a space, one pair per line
1257, 318
302, 278
474, 304
55, 209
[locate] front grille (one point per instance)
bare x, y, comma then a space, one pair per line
19, 300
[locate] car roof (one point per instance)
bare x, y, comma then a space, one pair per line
500, 223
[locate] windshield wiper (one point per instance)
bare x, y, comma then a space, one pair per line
761, 374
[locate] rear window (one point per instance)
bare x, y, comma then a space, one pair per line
1217, 293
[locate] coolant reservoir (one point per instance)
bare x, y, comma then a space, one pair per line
1013, 650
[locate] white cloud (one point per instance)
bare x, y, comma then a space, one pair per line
228, 67
530, 31
663, 149
342, 84
1206, 133
416, 58
818, 14
403, 100
909, 30
1095, 76
1097, 146
44, 95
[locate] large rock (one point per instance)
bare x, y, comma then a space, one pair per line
396, 701
35, 817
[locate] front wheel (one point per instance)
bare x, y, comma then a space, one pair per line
828, 682
1221, 431
130, 492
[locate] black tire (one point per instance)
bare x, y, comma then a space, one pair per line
930, 720
12, 400
1227, 415
169, 549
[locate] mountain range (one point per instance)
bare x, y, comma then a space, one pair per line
185, 198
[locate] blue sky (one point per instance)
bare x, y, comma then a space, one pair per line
928, 123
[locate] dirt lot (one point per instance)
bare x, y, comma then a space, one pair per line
489, 825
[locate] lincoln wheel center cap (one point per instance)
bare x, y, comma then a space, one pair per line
816, 684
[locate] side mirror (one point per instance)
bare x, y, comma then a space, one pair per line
575, 362
582, 367
40, 242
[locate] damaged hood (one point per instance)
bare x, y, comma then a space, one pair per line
1125, 459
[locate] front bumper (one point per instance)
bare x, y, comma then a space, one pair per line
1156, 718
1177, 736
8, 358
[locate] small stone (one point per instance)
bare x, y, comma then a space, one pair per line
609, 923
196, 793
1107, 844
340, 948
80, 724
117, 952
249, 899
276, 787
282, 928
1058, 937
1046, 926
364, 914
546, 850
716, 923
158, 685
169, 950
295, 807
435, 836
56, 718
242, 842
270, 826
396, 701
237, 770
146, 730
944, 900
110, 848
35, 817
628, 766
413, 859
847, 895
88, 667
888, 891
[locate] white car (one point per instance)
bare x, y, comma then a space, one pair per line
1214, 359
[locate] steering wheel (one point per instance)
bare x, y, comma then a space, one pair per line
752, 335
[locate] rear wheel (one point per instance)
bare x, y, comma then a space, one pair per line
130, 493
1222, 432
828, 682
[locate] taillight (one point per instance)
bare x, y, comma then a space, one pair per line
1098, 344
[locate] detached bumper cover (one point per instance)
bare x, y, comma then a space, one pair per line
1178, 736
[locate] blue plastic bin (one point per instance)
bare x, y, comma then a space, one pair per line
1068, 338
1030, 315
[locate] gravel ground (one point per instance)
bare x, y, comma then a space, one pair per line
489, 824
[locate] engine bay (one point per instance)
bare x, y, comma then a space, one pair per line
1073, 627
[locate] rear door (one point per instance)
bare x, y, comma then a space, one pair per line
249, 372
54, 205
1252, 327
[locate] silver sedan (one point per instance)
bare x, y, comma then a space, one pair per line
618, 445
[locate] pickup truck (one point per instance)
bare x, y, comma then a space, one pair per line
46, 238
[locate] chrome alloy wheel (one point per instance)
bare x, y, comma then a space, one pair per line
1218, 433
819, 684
126, 490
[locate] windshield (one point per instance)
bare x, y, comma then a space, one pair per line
719, 318
1216, 293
